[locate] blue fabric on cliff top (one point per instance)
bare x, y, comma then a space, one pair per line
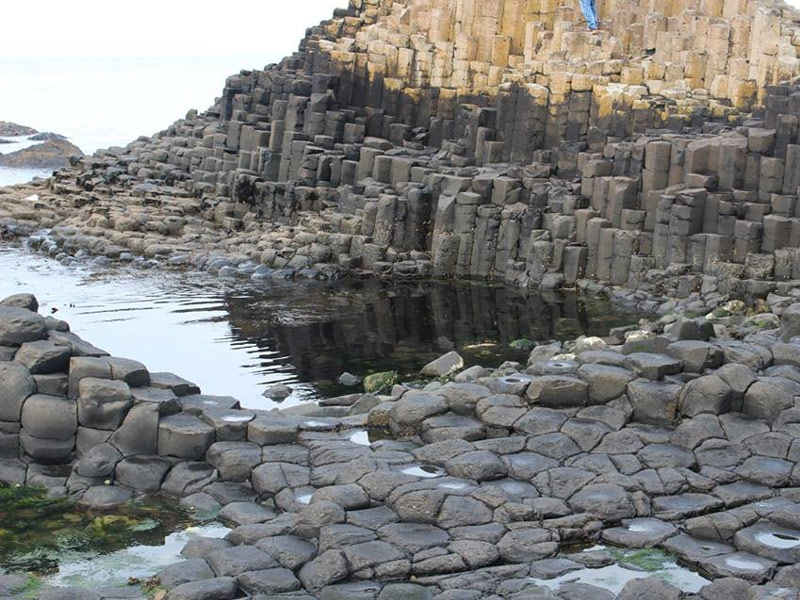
590, 12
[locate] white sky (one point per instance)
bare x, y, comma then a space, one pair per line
148, 28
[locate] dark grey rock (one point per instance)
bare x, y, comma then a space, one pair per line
271, 478
165, 400
188, 477
708, 394
268, 431
653, 366
413, 408
69, 593
479, 465
220, 588
46, 450
105, 496
142, 473
184, 572
19, 325
413, 537
42, 357
742, 565
269, 581
82, 367
290, 551
200, 547
132, 372
654, 403
23, 300
243, 513
184, 436
178, 385
103, 403
696, 356
605, 501
98, 461
239, 559
648, 589
50, 417
605, 382
17, 386
790, 322
554, 391
138, 433
329, 567
234, 460
405, 591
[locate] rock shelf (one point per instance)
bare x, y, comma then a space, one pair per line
680, 436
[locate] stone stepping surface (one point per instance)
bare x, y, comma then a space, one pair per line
488, 482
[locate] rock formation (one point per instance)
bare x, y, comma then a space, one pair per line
663, 437
494, 140
10, 129
53, 153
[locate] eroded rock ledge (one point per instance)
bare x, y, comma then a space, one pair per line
680, 435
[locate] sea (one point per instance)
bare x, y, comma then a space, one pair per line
103, 102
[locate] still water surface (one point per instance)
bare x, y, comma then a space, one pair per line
237, 337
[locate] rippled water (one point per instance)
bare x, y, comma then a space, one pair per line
237, 337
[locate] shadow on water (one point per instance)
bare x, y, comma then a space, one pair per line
234, 336
372, 326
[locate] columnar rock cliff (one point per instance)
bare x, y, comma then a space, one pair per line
495, 139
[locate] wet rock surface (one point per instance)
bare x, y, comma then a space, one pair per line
476, 490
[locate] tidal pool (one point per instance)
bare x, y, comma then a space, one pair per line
237, 337
63, 544
631, 564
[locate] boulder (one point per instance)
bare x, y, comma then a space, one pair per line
790, 322
184, 436
50, 417
17, 385
19, 325
103, 403
43, 356
444, 365
556, 391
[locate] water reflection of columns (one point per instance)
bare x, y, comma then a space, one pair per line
373, 325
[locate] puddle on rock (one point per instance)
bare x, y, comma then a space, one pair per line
631, 564
67, 545
140, 562
777, 540
425, 471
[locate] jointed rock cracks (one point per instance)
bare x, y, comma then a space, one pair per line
504, 145
684, 437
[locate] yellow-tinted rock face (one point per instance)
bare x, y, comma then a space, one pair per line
731, 49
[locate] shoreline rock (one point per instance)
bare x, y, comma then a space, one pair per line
496, 474
9, 129
53, 153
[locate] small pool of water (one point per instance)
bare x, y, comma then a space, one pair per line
631, 564
63, 544
138, 562
237, 337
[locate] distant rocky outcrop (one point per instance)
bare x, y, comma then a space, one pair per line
53, 153
47, 135
14, 129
